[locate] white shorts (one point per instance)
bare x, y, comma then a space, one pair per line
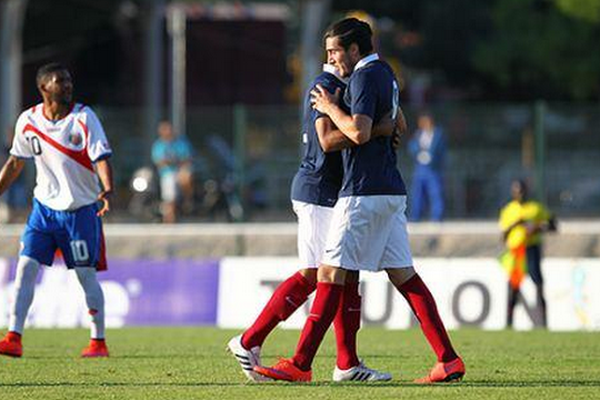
313, 225
169, 187
368, 233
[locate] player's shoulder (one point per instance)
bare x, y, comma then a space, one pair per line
81, 109
31, 111
511, 207
28, 115
328, 81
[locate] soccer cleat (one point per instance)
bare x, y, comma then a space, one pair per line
360, 373
284, 370
96, 348
11, 345
452, 371
247, 359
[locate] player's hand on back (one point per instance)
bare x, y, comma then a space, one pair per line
396, 141
321, 99
105, 198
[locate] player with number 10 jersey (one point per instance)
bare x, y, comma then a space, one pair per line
70, 151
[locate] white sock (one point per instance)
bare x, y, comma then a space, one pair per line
27, 270
94, 299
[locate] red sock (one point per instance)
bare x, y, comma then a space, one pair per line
346, 324
423, 306
321, 315
286, 299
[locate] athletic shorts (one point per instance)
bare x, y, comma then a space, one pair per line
169, 187
313, 225
77, 234
368, 233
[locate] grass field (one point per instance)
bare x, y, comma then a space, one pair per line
191, 363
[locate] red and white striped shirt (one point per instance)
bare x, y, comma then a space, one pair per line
64, 153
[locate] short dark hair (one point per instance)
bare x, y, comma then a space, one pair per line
48, 69
352, 30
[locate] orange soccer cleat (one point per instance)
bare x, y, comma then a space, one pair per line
11, 345
451, 371
284, 370
96, 348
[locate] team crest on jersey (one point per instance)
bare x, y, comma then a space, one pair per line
75, 139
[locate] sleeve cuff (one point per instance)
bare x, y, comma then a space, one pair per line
22, 157
102, 157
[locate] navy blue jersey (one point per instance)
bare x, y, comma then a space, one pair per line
370, 169
319, 177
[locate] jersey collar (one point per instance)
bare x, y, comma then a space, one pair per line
364, 61
333, 71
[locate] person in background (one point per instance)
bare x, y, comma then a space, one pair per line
523, 222
428, 150
172, 156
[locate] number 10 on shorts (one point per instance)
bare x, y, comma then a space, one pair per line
79, 251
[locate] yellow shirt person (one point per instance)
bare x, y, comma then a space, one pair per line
523, 222
525, 219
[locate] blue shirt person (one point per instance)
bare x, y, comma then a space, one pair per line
172, 156
428, 151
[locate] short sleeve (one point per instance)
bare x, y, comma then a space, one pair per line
157, 153
508, 216
363, 95
185, 148
20, 146
97, 143
543, 213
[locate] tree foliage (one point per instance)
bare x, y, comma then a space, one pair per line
542, 49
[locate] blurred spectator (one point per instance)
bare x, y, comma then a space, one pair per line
172, 155
14, 201
428, 150
523, 221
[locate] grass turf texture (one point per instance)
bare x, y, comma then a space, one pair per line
191, 363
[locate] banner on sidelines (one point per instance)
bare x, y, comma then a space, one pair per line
231, 292
137, 292
469, 292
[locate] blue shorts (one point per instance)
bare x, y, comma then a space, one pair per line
78, 235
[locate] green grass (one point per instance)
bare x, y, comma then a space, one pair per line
191, 363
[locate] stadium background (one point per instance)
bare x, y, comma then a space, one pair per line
516, 96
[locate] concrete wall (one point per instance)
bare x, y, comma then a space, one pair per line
452, 239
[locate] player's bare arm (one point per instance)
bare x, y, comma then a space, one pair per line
356, 127
104, 170
332, 139
400, 129
401, 124
10, 172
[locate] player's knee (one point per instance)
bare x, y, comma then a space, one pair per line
352, 276
87, 278
310, 274
399, 276
27, 269
329, 274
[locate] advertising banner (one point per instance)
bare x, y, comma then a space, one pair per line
137, 292
230, 293
469, 293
